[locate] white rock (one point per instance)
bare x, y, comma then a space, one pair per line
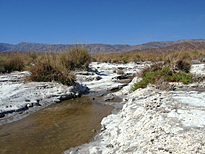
198, 69
153, 121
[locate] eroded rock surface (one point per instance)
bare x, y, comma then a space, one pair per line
18, 99
103, 76
150, 121
154, 121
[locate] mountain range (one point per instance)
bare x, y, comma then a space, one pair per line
107, 48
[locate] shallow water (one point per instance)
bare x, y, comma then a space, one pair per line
55, 128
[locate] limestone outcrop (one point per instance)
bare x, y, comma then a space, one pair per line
154, 121
19, 99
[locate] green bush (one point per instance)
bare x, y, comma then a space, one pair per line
195, 52
153, 76
125, 58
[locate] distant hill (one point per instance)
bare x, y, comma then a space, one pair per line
184, 46
93, 48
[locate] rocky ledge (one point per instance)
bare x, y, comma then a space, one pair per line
19, 99
154, 121
103, 76
151, 120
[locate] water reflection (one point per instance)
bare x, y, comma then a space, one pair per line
54, 129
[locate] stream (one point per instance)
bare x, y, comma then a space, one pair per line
56, 128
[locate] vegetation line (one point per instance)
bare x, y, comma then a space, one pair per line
59, 66
46, 67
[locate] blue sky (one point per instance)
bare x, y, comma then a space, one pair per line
100, 21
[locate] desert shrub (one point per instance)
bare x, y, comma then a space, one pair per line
15, 62
152, 68
195, 52
184, 62
77, 58
1, 64
44, 72
179, 61
33, 56
57, 66
120, 72
174, 68
152, 76
125, 58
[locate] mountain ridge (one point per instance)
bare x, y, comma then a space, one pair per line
93, 48
184, 46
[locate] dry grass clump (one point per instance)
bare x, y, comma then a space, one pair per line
48, 66
58, 66
43, 72
2, 59
178, 62
76, 58
14, 62
17, 61
120, 72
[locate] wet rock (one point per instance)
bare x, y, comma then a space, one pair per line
109, 146
29, 105
65, 97
109, 97
120, 77
98, 78
84, 73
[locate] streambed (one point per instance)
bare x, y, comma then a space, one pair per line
68, 124
56, 128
